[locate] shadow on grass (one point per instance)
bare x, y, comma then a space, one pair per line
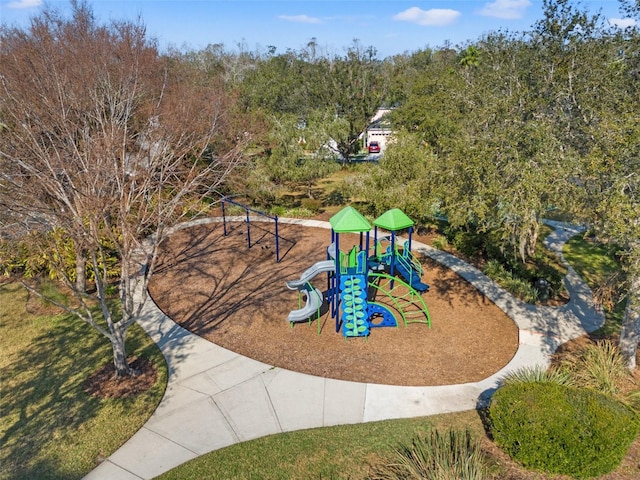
45, 400
45, 411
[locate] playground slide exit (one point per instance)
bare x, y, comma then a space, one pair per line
314, 296
314, 301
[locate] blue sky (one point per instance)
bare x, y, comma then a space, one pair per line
392, 27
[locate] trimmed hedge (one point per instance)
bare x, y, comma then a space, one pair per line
560, 429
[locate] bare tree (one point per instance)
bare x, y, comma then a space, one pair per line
109, 143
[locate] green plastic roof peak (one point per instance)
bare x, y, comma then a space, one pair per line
349, 220
393, 220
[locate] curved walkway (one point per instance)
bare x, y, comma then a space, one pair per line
216, 398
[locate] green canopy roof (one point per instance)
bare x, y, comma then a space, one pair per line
349, 220
393, 220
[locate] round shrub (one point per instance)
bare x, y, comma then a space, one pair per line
560, 429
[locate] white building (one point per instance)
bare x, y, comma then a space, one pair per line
379, 130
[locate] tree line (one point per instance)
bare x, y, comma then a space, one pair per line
106, 143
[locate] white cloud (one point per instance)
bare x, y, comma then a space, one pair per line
622, 22
433, 17
24, 4
506, 9
300, 19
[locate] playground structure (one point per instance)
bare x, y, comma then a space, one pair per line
367, 287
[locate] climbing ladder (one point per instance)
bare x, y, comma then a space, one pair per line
358, 290
406, 300
353, 294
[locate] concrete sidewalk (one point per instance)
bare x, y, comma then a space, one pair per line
216, 398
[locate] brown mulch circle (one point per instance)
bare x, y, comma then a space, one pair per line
104, 384
235, 296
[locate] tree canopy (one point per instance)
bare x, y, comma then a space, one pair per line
518, 124
107, 143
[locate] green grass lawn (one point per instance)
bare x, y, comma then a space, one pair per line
331, 192
341, 452
594, 262
49, 427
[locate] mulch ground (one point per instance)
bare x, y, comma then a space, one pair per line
103, 383
235, 296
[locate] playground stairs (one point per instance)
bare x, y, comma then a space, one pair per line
405, 264
410, 273
411, 258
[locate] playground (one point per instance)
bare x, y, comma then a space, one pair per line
237, 297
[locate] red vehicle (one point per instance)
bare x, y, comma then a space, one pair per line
374, 147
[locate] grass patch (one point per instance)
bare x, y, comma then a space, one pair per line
346, 451
49, 427
329, 194
593, 261
538, 374
597, 265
